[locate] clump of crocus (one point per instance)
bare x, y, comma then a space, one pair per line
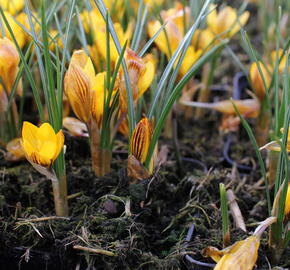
241, 255
139, 146
226, 22
42, 146
85, 91
168, 40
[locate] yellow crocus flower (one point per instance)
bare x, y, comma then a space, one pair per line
18, 32
168, 40
141, 73
257, 80
9, 60
78, 84
282, 62
85, 89
100, 40
12, 6
41, 145
203, 39
226, 22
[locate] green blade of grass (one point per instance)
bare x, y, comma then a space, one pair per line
172, 98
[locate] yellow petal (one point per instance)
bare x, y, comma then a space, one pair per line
59, 145
202, 39
189, 59
147, 77
257, 80
15, 147
226, 19
9, 60
29, 134
211, 19
241, 21
12, 6
287, 202
17, 30
248, 107
243, 255
97, 103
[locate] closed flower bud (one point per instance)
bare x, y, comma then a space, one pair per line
41, 145
141, 139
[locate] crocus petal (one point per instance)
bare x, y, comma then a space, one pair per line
241, 21
147, 77
211, 18
29, 132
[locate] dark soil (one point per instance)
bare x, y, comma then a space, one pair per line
144, 225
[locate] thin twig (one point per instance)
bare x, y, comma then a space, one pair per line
95, 250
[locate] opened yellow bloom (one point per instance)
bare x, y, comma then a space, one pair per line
141, 139
169, 39
257, 80
100, 40
9, 60
226, 22
41, 145
174, 19
12, 6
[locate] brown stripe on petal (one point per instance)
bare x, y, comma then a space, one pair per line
141, 139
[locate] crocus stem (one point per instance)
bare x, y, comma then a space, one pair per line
59, 187
101, 157
273, 162
262, 128
207, 76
